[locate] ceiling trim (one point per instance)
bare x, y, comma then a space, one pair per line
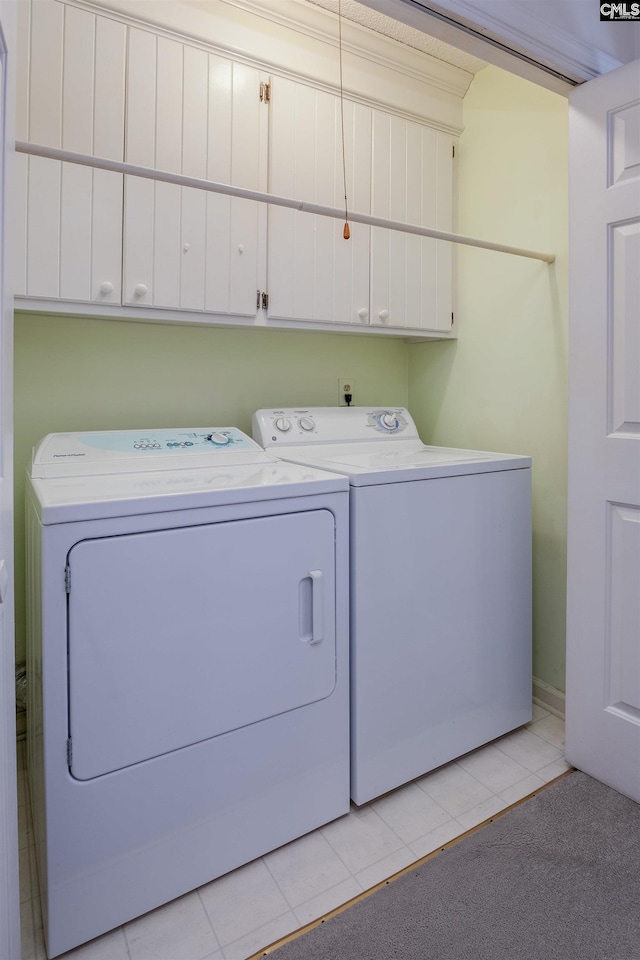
526, 34
524, 44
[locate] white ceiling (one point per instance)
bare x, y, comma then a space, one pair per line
390, 27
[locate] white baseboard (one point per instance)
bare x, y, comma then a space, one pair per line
548, 697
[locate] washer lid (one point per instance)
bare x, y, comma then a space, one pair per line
135, 451
371, 463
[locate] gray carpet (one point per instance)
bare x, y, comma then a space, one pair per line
557, 878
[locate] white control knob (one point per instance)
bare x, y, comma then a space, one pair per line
306, 423
384, 315
106, 287
140, 289
282, 424
389, 420
219, 439
363, 313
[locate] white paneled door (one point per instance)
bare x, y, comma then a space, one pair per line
603, 615
9, 887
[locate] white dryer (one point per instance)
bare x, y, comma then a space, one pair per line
188, 662
440, 545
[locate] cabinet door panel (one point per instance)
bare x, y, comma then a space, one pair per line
166, 245
45, 80
234, 156
139, 207
78, 80
412, 182
108, 118
445, 252
43, 227
313, 273
193, 249
106, 237
201, 248
75, 231
72, 63
140, 142
194, 118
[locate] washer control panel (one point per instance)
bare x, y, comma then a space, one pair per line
123, 451
289, 426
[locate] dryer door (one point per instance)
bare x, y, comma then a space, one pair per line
176, 636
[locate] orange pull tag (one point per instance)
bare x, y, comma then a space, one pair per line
346, 233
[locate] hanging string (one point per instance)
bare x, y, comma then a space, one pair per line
346, 233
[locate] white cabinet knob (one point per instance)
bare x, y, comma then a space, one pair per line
106, 287
140, 289
240, 248
363, 313
186, 247
384, 315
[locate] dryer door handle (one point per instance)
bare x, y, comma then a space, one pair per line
317, 606
312, 607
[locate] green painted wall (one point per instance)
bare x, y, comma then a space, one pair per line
77, 374
503, 384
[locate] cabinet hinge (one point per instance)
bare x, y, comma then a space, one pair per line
67, 579
257, 299
265, 92
69, 753
265, 301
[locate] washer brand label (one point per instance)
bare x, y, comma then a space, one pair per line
620, 11
57, 456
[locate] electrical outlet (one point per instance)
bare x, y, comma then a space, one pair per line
345, 386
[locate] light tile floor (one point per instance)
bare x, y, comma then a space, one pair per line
238, 914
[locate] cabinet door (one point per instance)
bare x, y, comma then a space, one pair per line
312, 272
72, 65
412, 181
198, 114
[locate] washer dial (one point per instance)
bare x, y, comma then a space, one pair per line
219, 439
387, 421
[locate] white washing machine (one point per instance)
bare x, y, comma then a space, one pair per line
440, 587
188, 662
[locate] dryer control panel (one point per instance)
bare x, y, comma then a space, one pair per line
306, 425
130, 451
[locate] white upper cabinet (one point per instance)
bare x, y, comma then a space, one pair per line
396, 169
412, 182
175, 95
73, 65
313, 273
193, 113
